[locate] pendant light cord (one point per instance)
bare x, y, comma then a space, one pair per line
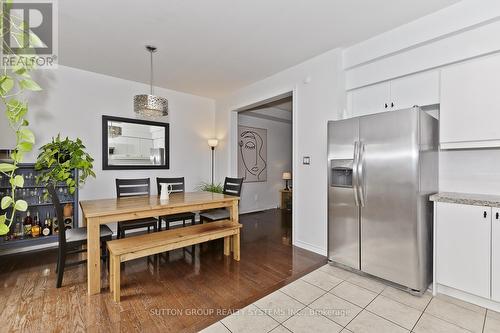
151, 70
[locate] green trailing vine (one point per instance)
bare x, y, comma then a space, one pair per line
13, 84
59, 158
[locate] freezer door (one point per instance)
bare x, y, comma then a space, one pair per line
343, 210
389, 178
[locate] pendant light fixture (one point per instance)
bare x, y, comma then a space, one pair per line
114, 131
151, 105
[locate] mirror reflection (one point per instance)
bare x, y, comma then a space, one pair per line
132, 144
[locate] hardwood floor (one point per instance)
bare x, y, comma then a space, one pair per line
181, 293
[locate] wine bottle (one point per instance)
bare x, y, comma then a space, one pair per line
18, 228
51, 223
28, 221
35, 227
46, 226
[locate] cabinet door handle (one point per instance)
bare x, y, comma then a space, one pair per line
485, 214
497, 215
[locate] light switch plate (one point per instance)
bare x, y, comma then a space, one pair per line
306, 160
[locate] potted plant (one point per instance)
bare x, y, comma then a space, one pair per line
59, 159
63, 161
209, 187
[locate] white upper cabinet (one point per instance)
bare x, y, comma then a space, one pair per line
495, 255
463, 248
470, 104
368, 100
419, 89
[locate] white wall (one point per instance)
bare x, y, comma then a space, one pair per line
318, 97
73, 102
257, 196
457, 33
470, 171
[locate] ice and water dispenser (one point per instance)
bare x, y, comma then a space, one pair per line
341, 173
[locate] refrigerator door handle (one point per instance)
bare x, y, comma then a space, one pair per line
360, 173
355, 178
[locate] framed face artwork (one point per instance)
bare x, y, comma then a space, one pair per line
252, 154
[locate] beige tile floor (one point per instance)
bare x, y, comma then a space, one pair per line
334, 300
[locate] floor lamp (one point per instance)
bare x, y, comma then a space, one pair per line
212, 143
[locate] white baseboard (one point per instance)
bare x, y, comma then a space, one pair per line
310, 247
464, 296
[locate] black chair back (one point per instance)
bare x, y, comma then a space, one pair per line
59, 216
232, 186
177, 184
132, 187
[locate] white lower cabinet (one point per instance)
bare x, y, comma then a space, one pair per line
463, 248
495, 255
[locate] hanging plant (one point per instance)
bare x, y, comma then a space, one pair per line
13, 84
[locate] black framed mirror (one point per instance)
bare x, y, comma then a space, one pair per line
134, 144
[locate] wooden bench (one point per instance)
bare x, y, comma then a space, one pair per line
125, 249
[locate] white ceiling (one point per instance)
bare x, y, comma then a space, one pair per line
213, 47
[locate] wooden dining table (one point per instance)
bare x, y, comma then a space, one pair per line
102, 211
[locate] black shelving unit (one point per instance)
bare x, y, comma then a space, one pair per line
33, 193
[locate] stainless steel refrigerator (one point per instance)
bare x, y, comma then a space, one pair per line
381, 170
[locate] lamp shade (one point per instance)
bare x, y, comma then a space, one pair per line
287, 175
150, 105
213, 143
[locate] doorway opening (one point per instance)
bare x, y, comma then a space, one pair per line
263, 156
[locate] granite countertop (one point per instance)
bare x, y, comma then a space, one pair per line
467, 199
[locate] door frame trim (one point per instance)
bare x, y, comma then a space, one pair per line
233, 146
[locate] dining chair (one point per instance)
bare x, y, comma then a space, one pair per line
132, 188
72, 240
232, 186
177, 187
